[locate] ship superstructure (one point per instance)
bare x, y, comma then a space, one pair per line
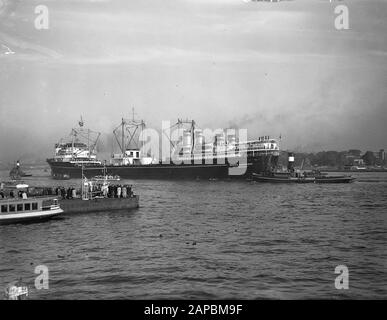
128, 137
76, 150
189, 145
80, 147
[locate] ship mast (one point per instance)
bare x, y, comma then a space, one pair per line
193, 136
88, 141
92, 138
72, 143
180, 125
131, 126
123, 137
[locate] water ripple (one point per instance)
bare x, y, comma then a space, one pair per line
211, 240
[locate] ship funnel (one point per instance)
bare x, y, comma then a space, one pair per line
199, 138
187, 141
231, 141
219, 139
187, 138
231, 138
220, 143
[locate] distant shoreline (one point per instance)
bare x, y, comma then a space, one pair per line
353, 171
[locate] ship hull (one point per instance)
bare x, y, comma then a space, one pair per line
72, 206
29, 216
167, 171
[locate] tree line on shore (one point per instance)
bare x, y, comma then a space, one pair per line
337, 159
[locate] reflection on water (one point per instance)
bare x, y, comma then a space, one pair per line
210, 240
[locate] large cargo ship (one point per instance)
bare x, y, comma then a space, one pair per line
191, 156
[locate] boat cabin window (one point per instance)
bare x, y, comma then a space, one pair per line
12, 208
4, 208
34, 206
19, 207
27, 206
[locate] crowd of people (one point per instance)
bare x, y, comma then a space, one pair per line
117, 191
92, 189
96, 190
13, 194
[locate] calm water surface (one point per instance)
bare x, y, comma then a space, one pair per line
210, 240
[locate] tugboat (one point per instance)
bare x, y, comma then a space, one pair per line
16, 206
293, 176
17, 173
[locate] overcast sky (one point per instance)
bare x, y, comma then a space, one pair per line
273, 68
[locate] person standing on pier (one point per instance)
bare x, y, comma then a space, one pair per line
105, 190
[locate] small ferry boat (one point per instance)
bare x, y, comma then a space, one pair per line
16, 206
